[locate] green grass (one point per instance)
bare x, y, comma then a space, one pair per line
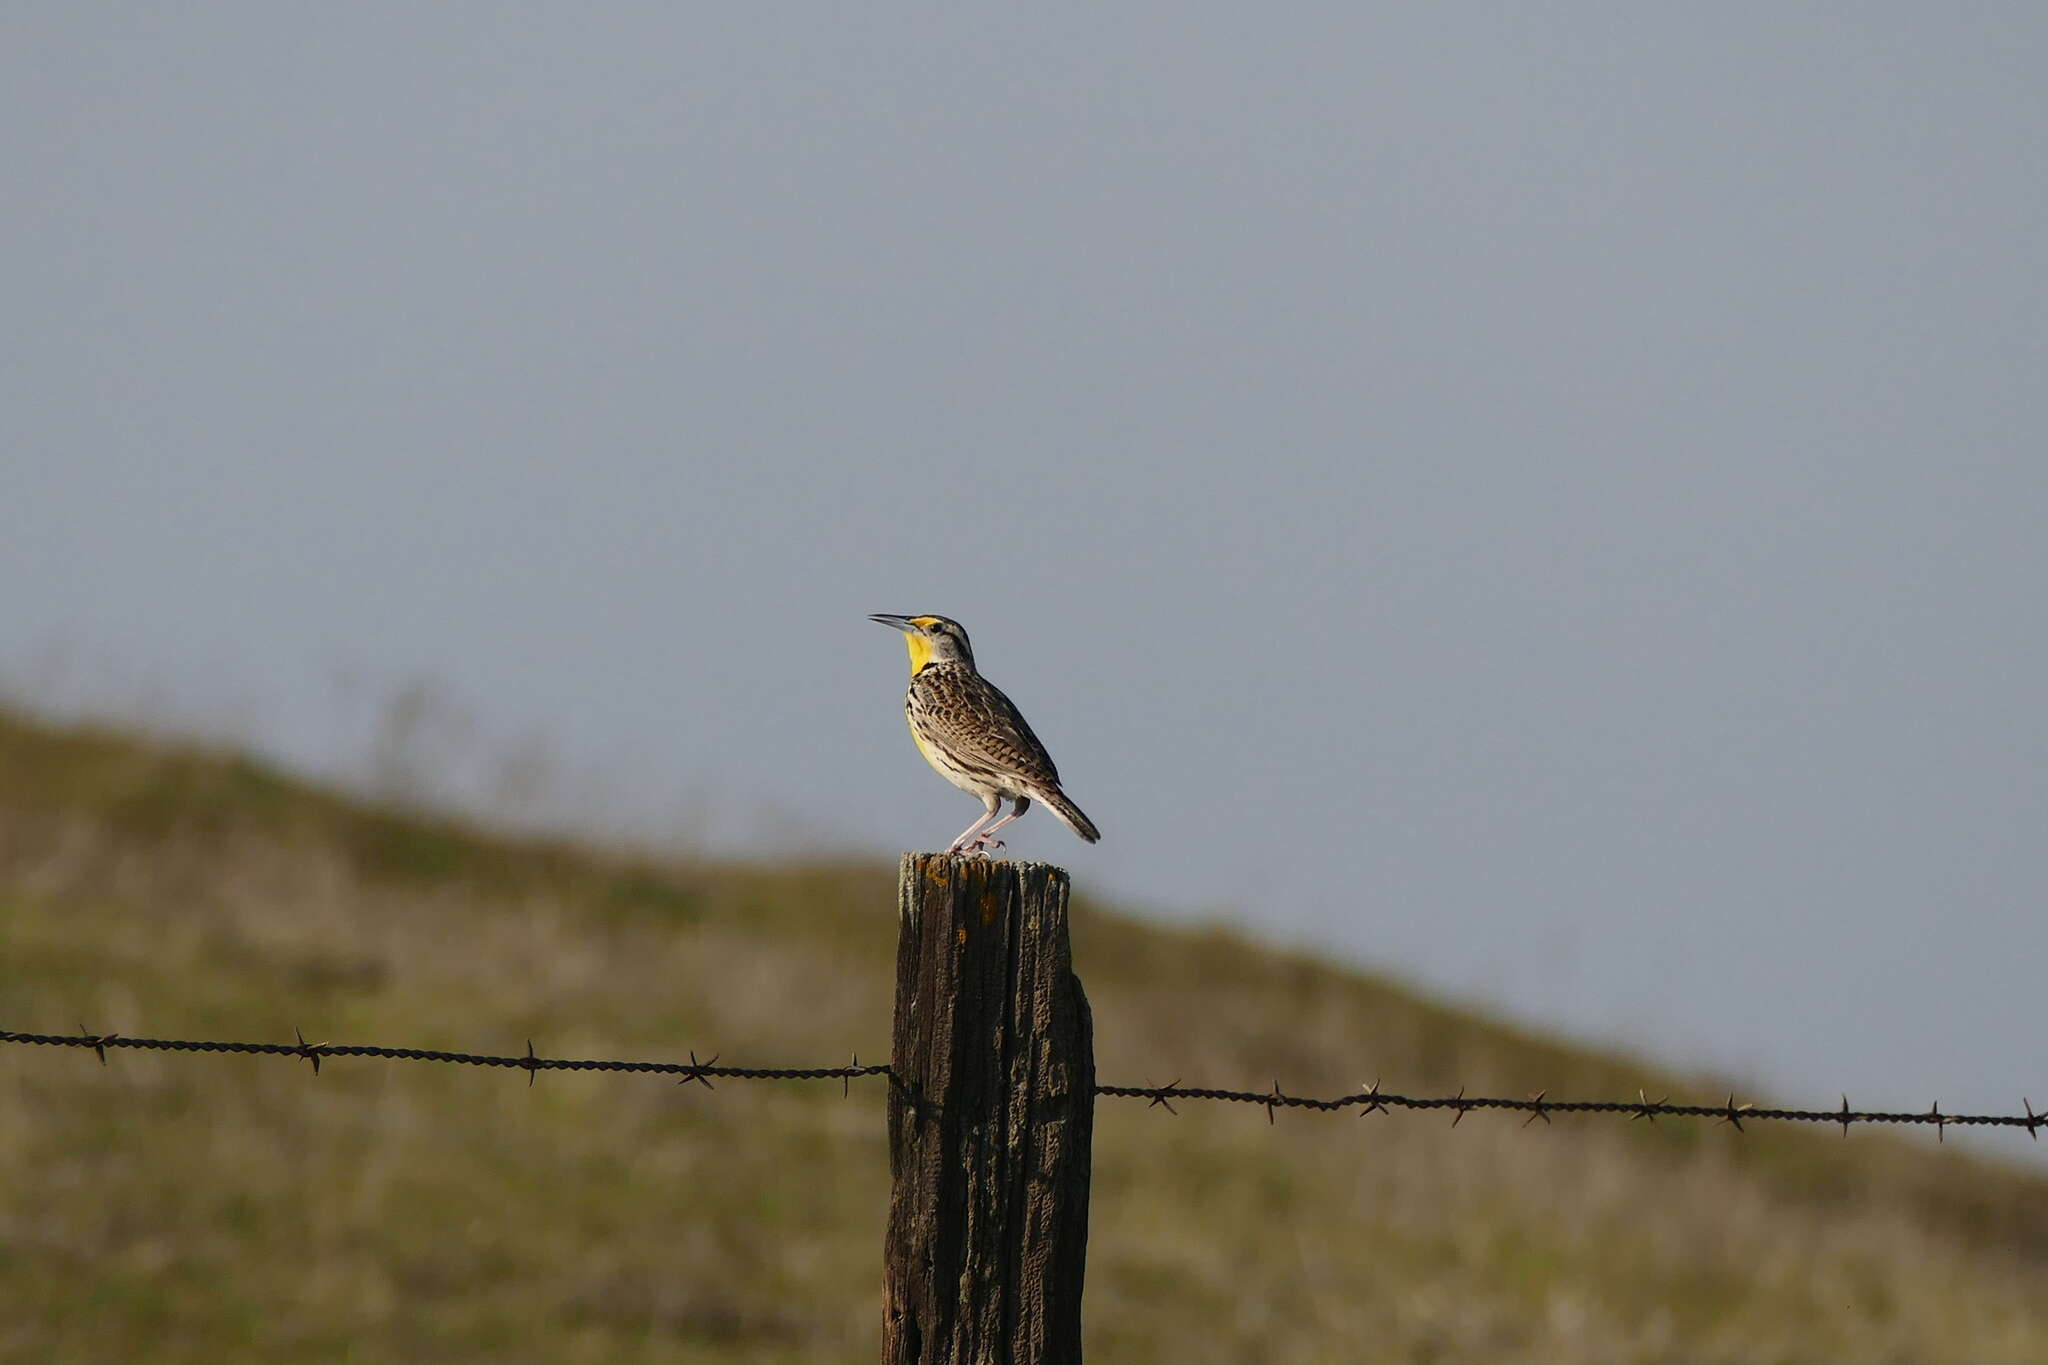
199, 1208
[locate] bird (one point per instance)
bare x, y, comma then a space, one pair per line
974, 735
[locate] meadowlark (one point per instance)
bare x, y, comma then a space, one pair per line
973, 735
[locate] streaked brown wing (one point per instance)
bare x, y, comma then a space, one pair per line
972, 717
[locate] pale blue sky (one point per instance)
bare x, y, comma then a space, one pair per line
1547, 504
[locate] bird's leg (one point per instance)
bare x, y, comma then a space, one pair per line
988, 839
962, 844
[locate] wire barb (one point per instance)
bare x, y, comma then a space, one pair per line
312, 1052
1160, 1100
98, 1042
1371, 1100
697, 1070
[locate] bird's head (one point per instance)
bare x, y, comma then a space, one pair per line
932, 639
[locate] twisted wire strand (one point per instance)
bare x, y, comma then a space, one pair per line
1368, 1101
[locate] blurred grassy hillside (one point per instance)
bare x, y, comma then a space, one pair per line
183, 1208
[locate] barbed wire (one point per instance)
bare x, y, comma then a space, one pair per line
1374, 1100
1371, 1100
692, 1070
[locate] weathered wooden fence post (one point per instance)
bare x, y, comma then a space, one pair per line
990, 1119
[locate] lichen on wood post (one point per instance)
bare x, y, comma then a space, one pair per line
991, 1116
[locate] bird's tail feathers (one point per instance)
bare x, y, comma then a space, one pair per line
1069, 814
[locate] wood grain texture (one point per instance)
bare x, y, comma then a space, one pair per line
989, 1147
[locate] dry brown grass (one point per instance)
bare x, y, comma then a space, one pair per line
186, 1208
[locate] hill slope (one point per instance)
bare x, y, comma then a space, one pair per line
199, 1208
